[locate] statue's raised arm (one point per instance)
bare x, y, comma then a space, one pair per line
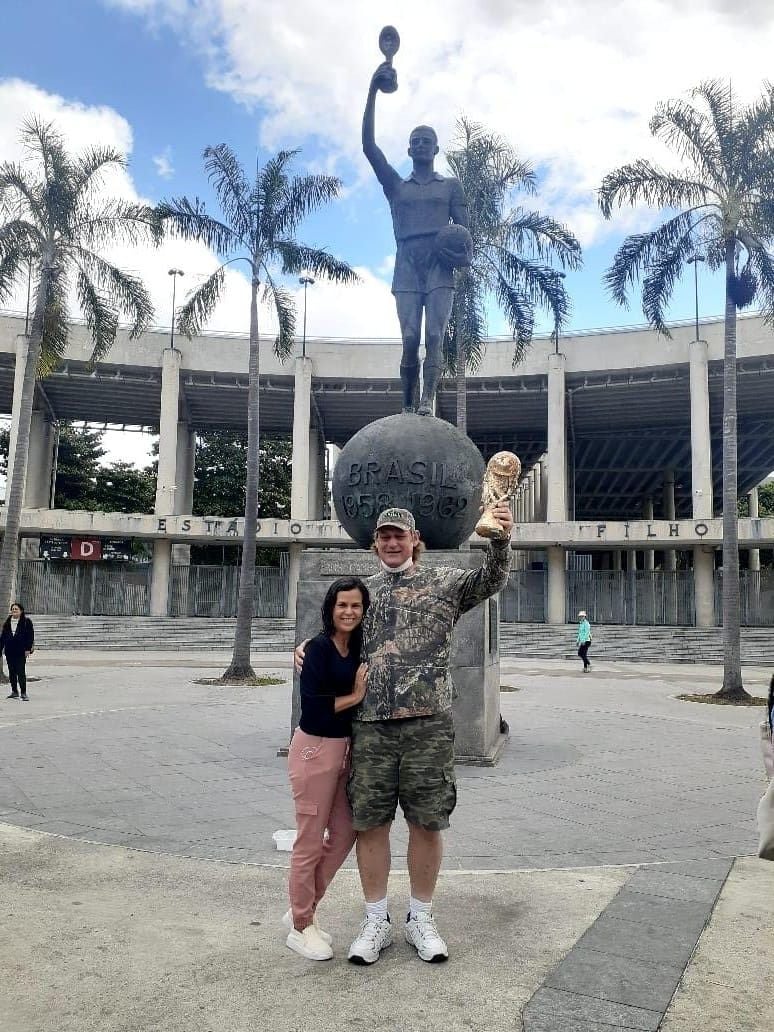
383, 80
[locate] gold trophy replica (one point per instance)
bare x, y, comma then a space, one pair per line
500, 480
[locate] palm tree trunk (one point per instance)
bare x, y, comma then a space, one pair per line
732, 661
462, 404
17, 463
241, 667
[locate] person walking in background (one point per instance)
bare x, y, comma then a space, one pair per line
584, 639
332, 684
17, 641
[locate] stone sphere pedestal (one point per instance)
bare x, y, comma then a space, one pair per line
418, 463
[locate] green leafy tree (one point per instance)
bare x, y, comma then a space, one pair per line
78, 456
54, 221
219, 490
122, 487
720, 202
260, 219
765, 500
513, 249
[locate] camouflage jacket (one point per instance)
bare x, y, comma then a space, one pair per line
407, 633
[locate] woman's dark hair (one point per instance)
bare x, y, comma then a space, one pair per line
22, 617
329, 603
770, 703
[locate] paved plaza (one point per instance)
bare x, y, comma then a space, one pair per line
581, 872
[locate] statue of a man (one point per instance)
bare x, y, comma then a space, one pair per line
421, 205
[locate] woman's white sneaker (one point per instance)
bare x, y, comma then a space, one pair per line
375, 935
309, 944
287, 922
422, 934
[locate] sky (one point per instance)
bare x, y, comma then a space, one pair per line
570, 84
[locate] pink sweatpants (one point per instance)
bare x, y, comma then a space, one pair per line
318, 770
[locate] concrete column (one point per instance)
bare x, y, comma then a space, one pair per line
670, 556
22, 342
701, 482
557, 585
618, 560
543, 492
159, 597
303, 441
701, 446
754, 554
185, 461
302, 401
650, 556
537, 483
166, 479
317, 486
40, 461
704, 586
556, 501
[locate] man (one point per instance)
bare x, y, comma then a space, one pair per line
421, 205
403, 733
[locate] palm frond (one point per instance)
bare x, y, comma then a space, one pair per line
686, 130
127, 293
297, 258
56, 323
661, 277
200, 304
641, 181
467, 324
10, 267
719, 101
285, 310
190, 221
541, 236
19, 236
763, 265
304, 195
641, 250
101, 317
16, 185
115, 221
231, 187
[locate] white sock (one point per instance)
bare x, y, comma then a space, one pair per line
418, 906
377, 909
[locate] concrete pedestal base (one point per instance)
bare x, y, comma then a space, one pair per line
475, 656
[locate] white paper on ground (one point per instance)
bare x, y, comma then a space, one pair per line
284, 839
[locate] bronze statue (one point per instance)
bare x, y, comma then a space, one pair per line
428, 249
500, 481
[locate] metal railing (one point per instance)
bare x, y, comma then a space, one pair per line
213, 591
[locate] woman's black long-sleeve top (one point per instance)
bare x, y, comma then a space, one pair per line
19, 643
326, 674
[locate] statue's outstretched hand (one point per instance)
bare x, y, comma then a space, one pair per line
385, 78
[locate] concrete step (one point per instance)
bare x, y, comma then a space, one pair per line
540, 641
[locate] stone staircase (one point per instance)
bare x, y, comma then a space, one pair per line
539, 641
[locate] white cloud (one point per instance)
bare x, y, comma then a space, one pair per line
163, 163
363, 310
572, 84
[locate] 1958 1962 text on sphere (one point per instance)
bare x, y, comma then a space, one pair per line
425, 465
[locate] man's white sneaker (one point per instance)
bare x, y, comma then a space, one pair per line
287, 922
308, 944
422, 934
375, 935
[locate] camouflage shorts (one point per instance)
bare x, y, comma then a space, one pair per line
410, 762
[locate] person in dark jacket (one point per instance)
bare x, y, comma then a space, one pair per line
17, 641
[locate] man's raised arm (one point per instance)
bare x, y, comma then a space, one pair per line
385, 173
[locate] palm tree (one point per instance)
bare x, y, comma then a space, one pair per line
512, 252
54, 219
722, 204
258, 227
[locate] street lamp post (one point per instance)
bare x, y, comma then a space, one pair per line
694, 261
306, 281
174, 273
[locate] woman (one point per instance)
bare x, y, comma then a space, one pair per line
332, 683
17, 640
584, 639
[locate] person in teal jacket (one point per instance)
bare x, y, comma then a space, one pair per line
584, 639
